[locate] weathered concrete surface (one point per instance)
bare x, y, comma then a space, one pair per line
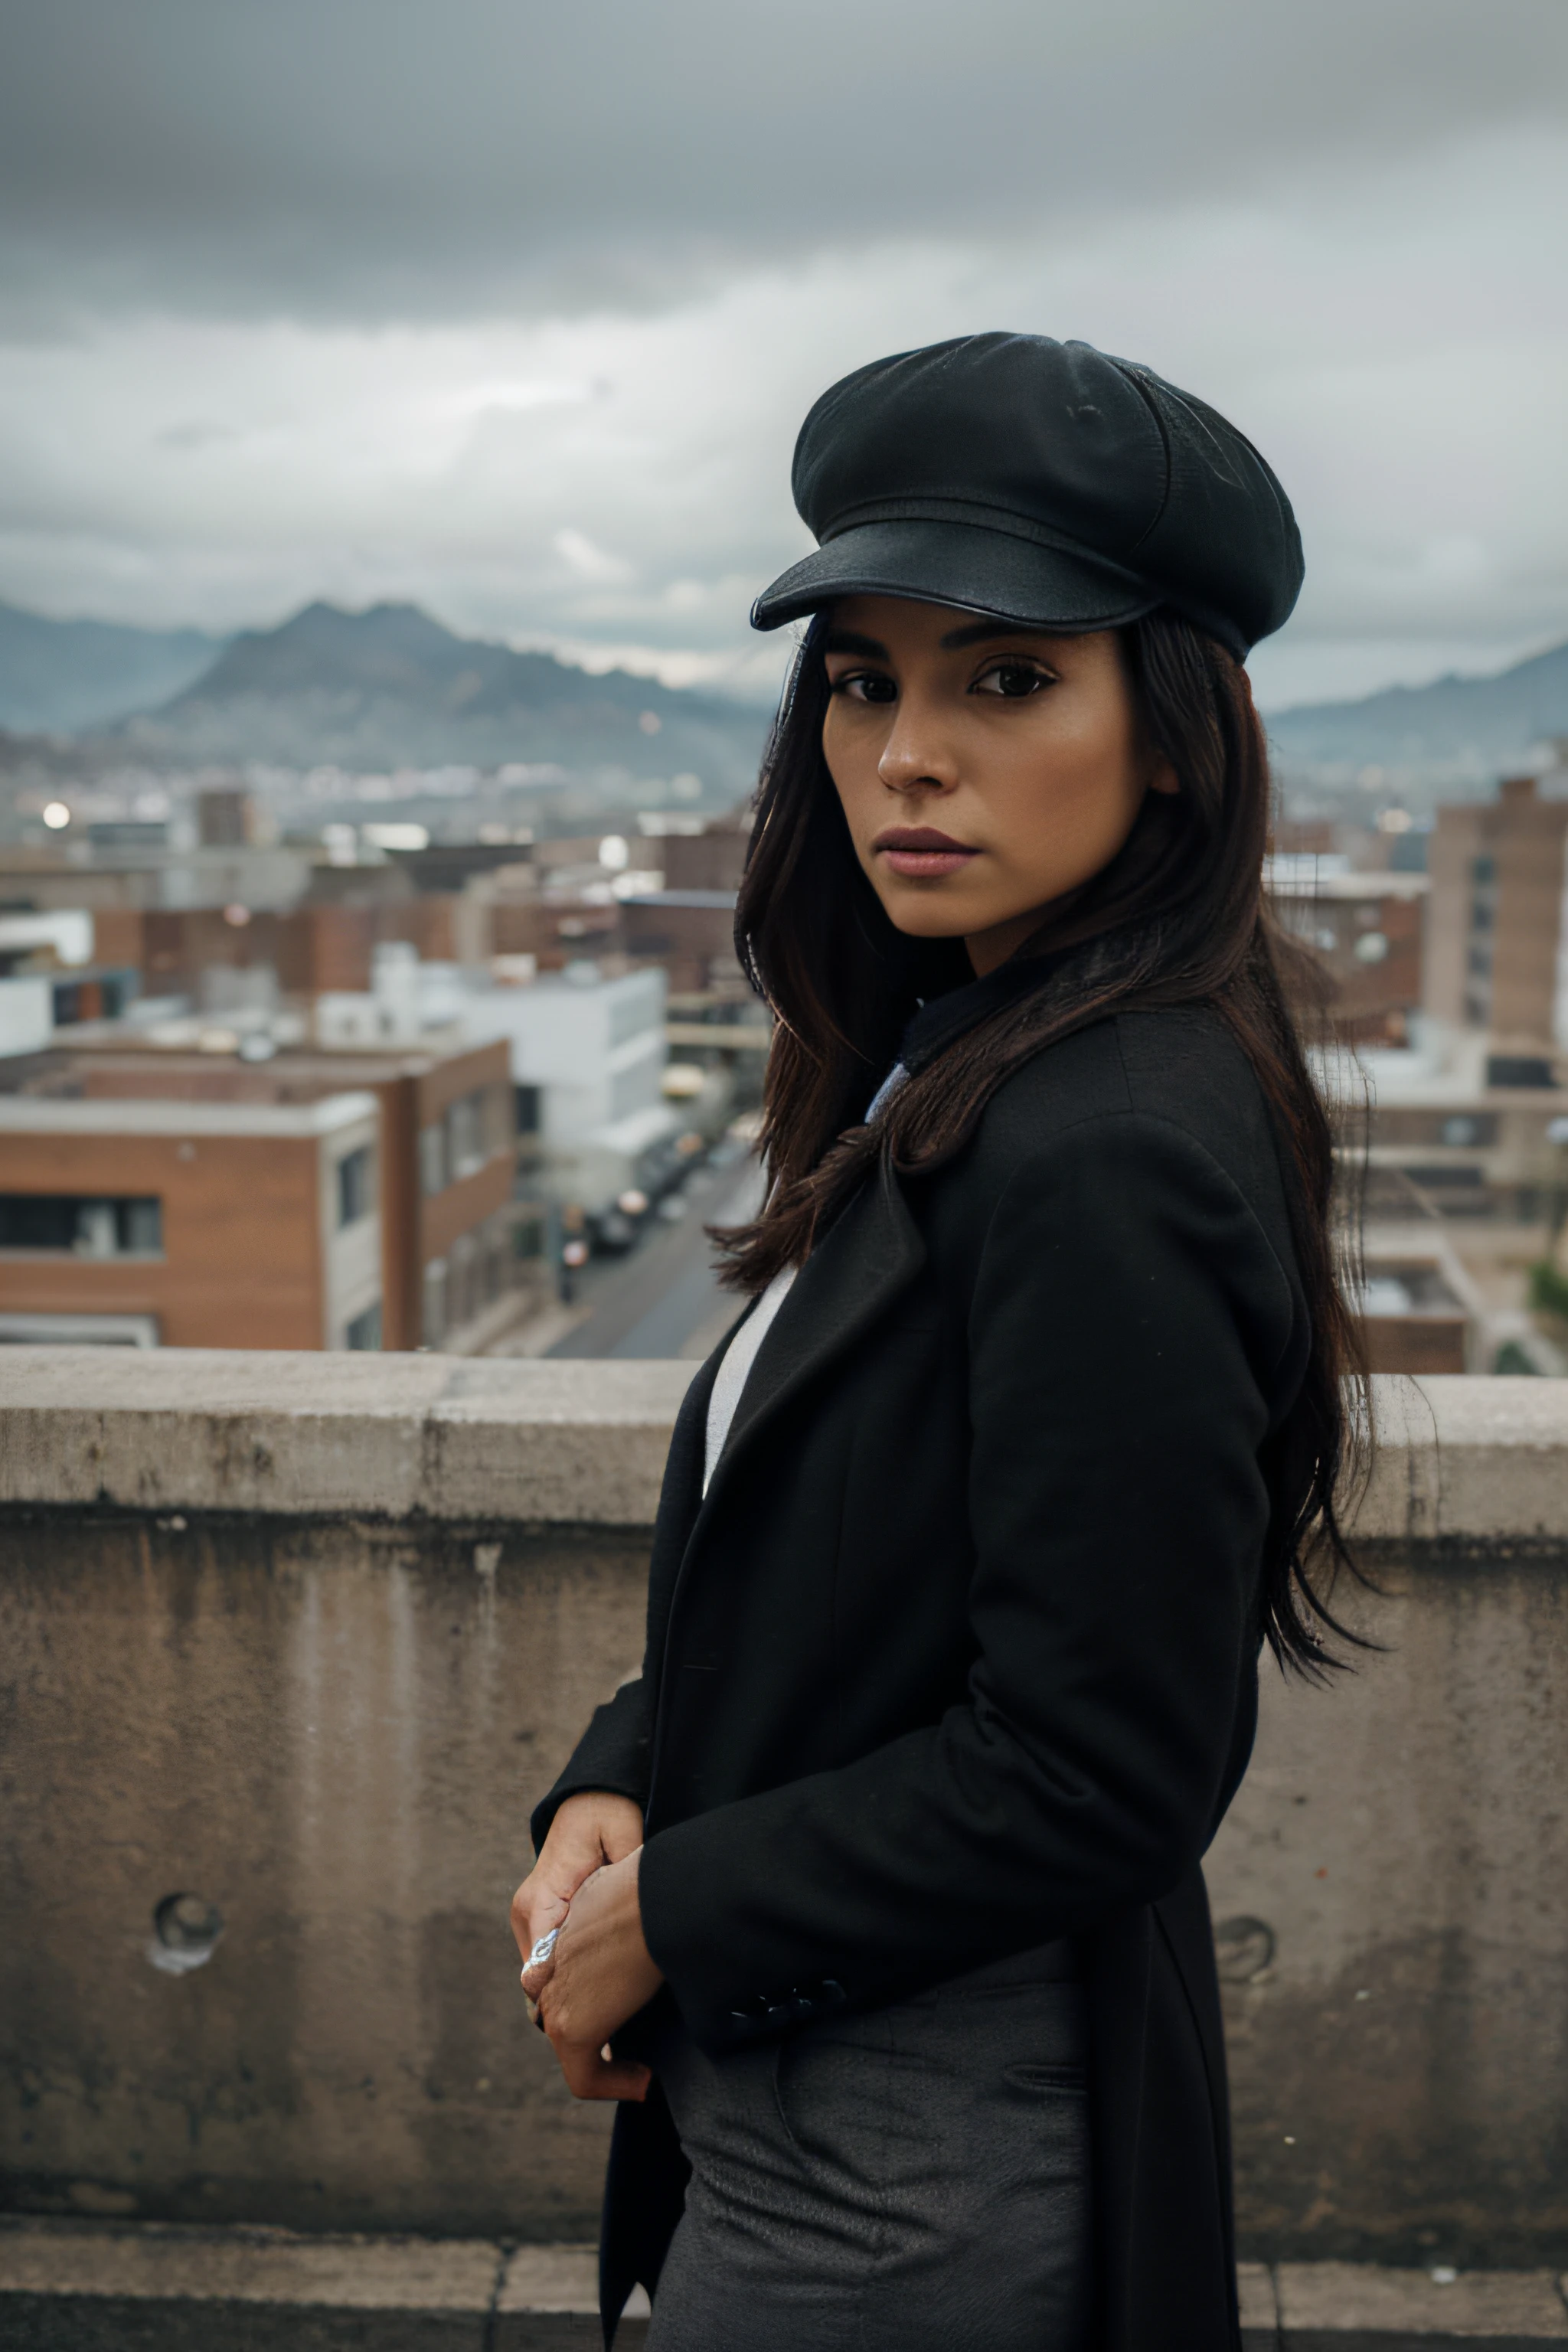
149, 2262
1391, 1897
190, 1429
304, 1637
1475, 1461
251, 2289
334, 1732
455, 1437
1259, 2307
1346, 2306
205, 2289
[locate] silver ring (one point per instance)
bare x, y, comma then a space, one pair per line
542, 1950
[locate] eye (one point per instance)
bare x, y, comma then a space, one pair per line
866, 686
1012, 679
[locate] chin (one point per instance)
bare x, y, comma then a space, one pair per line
934, 913
931, 922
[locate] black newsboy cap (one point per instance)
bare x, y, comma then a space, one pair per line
1041, 481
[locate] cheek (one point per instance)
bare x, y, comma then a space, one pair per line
851, 755
1072, 796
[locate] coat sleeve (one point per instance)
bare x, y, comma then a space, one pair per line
613, 1755
615, 1752
1128, 1324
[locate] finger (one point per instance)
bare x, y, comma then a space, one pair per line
546, 1895
535, 1909
534, 1982
539, 1964
545, 1889
591, 2076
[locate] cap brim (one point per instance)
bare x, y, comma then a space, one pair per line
961, 564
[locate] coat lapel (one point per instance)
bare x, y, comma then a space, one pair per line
870, 1254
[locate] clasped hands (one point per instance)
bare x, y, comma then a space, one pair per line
600, 1971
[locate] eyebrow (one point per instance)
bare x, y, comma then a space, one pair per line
846, 641
974, 633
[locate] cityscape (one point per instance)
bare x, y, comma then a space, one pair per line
458, 1056
1026, 1777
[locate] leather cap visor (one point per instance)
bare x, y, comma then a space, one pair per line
961, 563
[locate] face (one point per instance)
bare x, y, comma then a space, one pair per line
985, 771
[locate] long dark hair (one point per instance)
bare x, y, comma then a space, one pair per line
1178, 917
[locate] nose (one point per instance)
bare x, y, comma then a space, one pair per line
916, 757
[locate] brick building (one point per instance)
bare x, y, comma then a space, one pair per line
445, 1163
314, 949
1367, 932
191, 1225
690, 932
1495, 959
713, 859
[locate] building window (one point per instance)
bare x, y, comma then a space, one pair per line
528, 1104
501, 1119
82, 1227
353, 1187
1468, 1132
461, 1269
433, 1305
433, 1159
471, 1132
1483, 869
363, 1330
1519, 1070
466, 1136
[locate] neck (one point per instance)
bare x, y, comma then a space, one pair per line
988, 950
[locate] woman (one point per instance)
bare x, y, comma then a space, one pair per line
884, 1875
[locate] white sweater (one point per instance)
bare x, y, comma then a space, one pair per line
736, 1369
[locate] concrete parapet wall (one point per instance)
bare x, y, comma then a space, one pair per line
302, 1637
295, 1436
441, 1437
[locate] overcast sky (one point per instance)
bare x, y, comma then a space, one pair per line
515, 310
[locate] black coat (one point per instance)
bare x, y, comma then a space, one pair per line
958, 1653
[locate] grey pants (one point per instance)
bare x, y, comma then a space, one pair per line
915, 2180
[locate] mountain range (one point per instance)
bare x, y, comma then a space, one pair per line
390, 687
58, 678
1457, 730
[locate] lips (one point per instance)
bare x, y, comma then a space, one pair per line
920, 853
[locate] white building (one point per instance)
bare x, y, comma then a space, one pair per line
27, 1015
587, 1059
587, 1052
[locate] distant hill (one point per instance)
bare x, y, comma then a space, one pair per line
392, 689
60, 677
1457, 730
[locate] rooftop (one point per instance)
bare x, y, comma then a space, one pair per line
100, 1115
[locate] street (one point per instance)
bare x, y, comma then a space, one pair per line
663, 1297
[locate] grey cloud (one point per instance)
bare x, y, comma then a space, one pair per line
392, 158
